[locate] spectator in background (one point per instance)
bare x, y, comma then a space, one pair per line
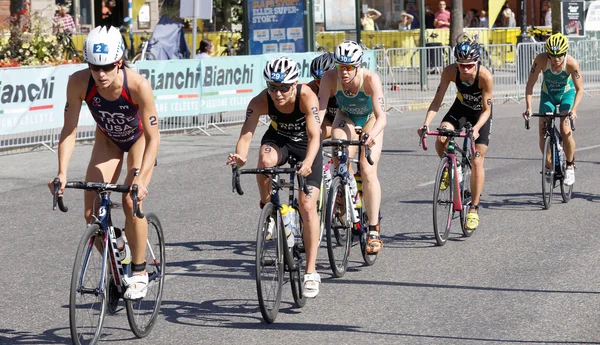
367, 20
471, 19
410, 9
405, 21
483, 20
548, 15
206, 49
429, 18
442, 17
63, 22
508, 18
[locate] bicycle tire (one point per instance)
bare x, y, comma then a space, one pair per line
442, 219
142, 314
269, 306
87, 255
466, 192
338, 229
297, 275
548, 173
321, 207
369, 259
565, 190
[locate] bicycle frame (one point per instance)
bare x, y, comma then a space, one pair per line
457, 202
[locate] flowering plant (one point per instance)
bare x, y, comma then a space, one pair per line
31, 42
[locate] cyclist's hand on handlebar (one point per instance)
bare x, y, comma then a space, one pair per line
370, 141
234, 158
572, 115
142, 189
527, 114
63, 183
305, 169
475, 133
421, 130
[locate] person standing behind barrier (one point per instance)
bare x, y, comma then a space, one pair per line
471, 19
473, 104
410, 9
122, 104
548, 15
206, 49
483, 20
405, 21
429, 18
319, 65
562, 84
508, 18
359, 94
294, 131
367, 20
63, 21
442, 17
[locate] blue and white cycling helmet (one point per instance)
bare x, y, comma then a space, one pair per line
281, 70
103, 46
322, 64
348, 53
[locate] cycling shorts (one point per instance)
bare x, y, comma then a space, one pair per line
286, 147
458, 116
547, 102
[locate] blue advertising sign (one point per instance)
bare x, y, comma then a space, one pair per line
276, 26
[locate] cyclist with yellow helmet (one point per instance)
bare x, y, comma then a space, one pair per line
562, 84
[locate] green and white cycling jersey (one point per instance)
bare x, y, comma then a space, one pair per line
557, 88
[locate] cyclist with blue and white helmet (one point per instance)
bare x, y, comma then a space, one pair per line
473, 104
294, 130
562, 84
359, 95
319, 65
121, 102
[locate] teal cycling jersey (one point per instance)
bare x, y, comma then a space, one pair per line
359, 107
557, 85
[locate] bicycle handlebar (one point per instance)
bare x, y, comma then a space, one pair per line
96, 186
443, 132
550, 115
236, 172
344, 142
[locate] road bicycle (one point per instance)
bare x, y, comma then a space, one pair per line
142, 52
97, 281
273, 255
455, 196
65, 40
346, 222
553, 152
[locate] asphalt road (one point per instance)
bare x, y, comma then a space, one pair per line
527, 276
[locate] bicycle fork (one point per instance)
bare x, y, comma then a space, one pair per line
457, 198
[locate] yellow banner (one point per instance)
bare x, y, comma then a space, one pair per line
494, 7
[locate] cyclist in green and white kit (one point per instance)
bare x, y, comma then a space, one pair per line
359, 95
562, 84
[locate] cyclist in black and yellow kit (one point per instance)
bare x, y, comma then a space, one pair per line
474, 84
294, 131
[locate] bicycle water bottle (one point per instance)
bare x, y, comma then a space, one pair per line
358, 197
122, 246
289, 223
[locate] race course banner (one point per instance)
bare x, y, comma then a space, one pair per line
276, 26
33, 99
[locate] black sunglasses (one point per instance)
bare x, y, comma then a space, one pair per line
282, 88
105, 68
556, 55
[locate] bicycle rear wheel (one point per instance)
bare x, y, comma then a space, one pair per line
142, 313
548, 173
269, 262
442, 203
87, 305
297, 275
466, 194
338, 230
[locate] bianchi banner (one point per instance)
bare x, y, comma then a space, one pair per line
33, 99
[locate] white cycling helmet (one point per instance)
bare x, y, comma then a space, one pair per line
348, 53
103, 46
282, 70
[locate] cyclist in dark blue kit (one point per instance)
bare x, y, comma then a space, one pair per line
122, 104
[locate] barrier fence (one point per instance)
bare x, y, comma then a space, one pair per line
197, 95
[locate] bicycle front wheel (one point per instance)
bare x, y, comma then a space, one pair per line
337, 228
87, 304
465, 194
269, 262
142, 313
443, 202
297, 275
548, 172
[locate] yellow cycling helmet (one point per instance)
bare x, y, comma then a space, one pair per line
557, 44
